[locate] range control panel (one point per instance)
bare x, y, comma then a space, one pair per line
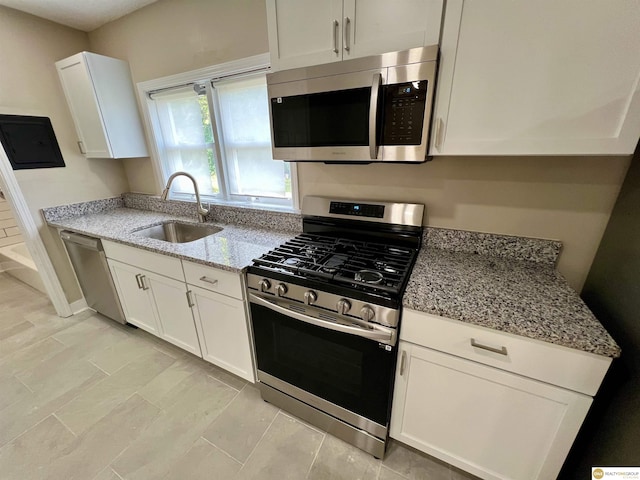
404, 105
357, 209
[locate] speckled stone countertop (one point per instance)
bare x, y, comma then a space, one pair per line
231, 249
523, 297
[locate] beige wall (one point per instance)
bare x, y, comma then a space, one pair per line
565, 198
175, 36
29, 85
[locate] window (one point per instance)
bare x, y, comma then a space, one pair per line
218, 130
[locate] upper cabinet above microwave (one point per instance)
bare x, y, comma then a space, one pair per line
99, 92
538, 78
312, 32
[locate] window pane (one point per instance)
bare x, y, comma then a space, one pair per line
244, 114
188, 140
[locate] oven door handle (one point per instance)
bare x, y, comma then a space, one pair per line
376, 333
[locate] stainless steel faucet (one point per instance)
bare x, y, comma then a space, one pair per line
202, 212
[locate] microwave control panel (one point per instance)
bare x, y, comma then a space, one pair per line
404, 105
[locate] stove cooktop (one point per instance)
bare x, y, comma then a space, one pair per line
352, 264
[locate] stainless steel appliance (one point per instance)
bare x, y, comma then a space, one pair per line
90, 264
370, 109
325, 310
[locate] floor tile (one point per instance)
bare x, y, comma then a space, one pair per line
21, 416
107, 474
199, 400
15, 329
242, 424
414, 465
225, 377
386, 474
29, 456
117, 356
338, 460
30, 357
286, 451
96, 402
204, 462
94, 450
158, 391
457, 474
12, 391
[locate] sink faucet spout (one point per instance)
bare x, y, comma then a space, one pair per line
202, 212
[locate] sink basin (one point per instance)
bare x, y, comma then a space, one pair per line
176, 232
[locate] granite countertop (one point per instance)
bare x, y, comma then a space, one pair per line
501, 282
522, 297
231, 249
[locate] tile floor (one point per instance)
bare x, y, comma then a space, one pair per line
85, 398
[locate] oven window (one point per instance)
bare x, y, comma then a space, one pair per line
327, 119
347, 370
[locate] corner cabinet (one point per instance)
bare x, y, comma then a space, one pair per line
308, 32
99, 92
195, 307
538, 78
496, 405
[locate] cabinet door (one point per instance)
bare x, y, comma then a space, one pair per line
377, 26
224, 335
540, 77
304, 32
491, 423
137, 302
173, 311
79, 91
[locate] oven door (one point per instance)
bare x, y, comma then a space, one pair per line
335, 370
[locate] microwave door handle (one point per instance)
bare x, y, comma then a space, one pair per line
373, 114
372, 334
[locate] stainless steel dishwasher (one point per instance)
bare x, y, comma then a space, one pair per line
90, 263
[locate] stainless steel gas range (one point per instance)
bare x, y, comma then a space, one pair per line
325, 310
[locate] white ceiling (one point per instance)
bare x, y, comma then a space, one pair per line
86, 15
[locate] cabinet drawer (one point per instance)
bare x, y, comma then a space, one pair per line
565, 367
163, 264
213, 279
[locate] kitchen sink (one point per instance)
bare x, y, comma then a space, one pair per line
176, 232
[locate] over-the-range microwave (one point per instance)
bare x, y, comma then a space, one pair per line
369, 109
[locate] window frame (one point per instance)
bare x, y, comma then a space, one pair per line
205, 76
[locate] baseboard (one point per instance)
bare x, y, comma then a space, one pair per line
79, 306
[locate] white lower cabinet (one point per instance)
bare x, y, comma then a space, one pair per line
494, 404
223, 332
157, 304
195, 307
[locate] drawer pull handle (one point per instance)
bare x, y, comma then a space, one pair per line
212, 281
138, 280
190, 301
403, 362
501, 350
143, 282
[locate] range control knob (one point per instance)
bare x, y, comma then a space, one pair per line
343, 306
281, 289
310, 297
367, 313
264, 285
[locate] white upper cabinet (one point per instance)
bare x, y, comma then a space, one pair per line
100, 95
543, 77
308, 32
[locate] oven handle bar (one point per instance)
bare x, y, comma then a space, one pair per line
376, 333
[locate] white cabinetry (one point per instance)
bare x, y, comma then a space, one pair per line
311, 32
99, 92
153, 294
495, 409
221, 319
544, 77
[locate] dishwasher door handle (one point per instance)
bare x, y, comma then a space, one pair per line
82, 240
